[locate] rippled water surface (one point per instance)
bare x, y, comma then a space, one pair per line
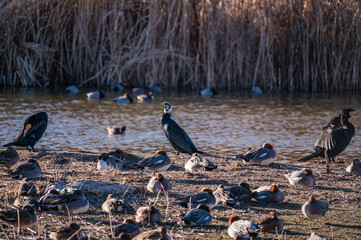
227, 124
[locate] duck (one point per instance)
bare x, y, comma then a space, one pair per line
205, 197
159, 233
315, 236
34, 128
26, 217
24, 199
121, 236
114, 205
268, 194
28, 186
208, 92
74, 202
197, 163
177, 137
242, 228
72, 89
304, 178
9, 157
354, 169
269, 223
240, 193
46, 201
72, 232
256, 90
29, 170
234, 195
334, 138
154, 89
198, 216
128, 226
118, 87
314, 209
126, 98
146, 97
158, 184
160, 162
138, 91
148, 215
96, 95
262, 156
112, 130
107, 162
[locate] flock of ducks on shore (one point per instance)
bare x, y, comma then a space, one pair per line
333, 139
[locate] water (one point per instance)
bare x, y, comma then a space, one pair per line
227, 124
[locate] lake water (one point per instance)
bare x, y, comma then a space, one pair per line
226, 124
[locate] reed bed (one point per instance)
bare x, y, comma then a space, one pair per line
307, 45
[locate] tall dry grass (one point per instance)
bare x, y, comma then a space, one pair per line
296, 45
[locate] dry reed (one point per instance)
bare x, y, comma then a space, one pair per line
307, 45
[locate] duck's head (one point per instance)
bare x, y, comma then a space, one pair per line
161, 152
110, 196
272, 215
233, 219
355, 161
311, 199
273, 188
203, 207
167, 107
267, 145
126, 95
307, 171
159, 177
207, 190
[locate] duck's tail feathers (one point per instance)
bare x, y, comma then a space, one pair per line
312, 155
9, 144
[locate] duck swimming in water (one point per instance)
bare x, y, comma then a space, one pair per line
126, 98
33, 130
334, 138
116, 130
96, 95
146, 97
177, 137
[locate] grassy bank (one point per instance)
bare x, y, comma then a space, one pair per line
309, 45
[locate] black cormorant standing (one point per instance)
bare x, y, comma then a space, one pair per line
177, 137
33, 130
334, 138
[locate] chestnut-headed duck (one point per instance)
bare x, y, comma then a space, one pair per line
158, 163
198, 216
261, 156
149, 215
198, 162
115, 205
269, 223
304, 178
158, 184
205, 197
242, 228
268, 194
314, 209
126, 98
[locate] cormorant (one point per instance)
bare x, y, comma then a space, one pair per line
33, 130
334, 138
177, 137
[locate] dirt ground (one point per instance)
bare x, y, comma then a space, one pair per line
342, 192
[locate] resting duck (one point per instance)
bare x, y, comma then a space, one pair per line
72, 232
24, 199
198, 216
107, 162
146, 97
262, 156
205, 197
29, 170
268, 194
208, 92
234, 195
114, 205
26, 217
197, 162
71, 202
160, 162
304, 178
354, 169
314, 209
159, 233
270, 223
9, 157
148, 215
128, 226
242, 228
96, 95
116, 130
126, 98
158, 184
28, 187
72, 89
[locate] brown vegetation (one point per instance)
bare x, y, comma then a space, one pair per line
308, 45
